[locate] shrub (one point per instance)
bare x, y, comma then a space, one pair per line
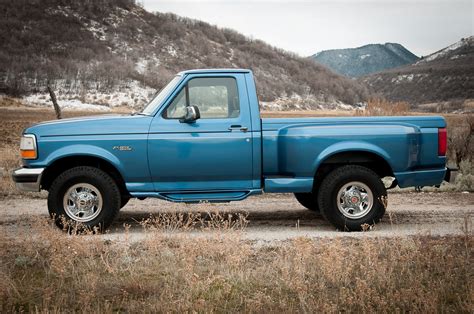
382, 107
465, 179
461, 139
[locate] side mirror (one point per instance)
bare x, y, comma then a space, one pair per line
191, 115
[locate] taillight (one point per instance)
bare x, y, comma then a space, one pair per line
442, 141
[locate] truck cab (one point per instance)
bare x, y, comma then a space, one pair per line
219, 149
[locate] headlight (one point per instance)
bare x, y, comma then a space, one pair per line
28, 147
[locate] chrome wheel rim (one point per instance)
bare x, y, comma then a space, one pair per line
355, 200
83, 202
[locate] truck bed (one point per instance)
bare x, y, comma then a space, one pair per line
296, 147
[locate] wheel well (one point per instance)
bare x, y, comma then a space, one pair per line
63, 164
370, 160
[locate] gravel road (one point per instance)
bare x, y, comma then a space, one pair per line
276, 217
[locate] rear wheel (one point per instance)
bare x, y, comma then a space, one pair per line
352, 197
308, 200
84, 198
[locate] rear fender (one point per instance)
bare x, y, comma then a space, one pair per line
348, 146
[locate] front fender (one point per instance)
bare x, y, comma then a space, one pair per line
83, 150
350, 146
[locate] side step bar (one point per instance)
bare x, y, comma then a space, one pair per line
196, 197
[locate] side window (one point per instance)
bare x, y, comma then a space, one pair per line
215, 97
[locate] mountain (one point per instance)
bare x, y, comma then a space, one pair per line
113, 52
446, 75
355, 62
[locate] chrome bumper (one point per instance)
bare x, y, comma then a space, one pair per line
28, 179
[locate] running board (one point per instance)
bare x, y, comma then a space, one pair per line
196, 197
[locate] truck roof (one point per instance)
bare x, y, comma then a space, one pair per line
197, 71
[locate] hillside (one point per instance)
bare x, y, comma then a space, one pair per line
113, 52
446, 75
355, 62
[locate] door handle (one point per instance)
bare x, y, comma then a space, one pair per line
238, 127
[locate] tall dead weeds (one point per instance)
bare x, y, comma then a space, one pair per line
44, 269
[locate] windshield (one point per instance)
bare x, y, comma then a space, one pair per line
159, 97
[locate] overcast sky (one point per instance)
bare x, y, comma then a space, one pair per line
306, 27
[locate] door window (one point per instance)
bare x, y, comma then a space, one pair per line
216, 98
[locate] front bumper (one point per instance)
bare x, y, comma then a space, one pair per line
28, 179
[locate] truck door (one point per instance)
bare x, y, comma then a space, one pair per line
212, 153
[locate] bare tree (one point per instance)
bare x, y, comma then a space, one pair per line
55, 103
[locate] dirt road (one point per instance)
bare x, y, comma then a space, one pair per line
278, 217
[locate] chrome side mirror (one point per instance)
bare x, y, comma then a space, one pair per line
191, 115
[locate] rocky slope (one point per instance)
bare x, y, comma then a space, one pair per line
444, 76
113, 52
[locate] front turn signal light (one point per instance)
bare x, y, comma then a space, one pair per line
28, 148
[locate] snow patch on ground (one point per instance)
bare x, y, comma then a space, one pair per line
113, 20
73, 104
97, 29
404, 77
364, 56
130, 94
140, 66
171, 51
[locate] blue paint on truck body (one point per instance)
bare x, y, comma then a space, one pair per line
226, 159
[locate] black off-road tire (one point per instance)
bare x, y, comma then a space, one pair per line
101, 181
308, 200
334, 181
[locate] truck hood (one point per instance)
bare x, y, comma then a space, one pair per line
92, 125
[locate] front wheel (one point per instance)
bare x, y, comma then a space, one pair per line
352, 197
84, 198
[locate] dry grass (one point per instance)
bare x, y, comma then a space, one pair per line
306, 114
44, 270
382, 107
207, 218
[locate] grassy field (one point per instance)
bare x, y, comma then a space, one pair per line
44, 270
212, 269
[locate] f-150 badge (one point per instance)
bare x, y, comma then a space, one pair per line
122, 148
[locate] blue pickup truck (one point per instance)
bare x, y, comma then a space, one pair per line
201, 138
